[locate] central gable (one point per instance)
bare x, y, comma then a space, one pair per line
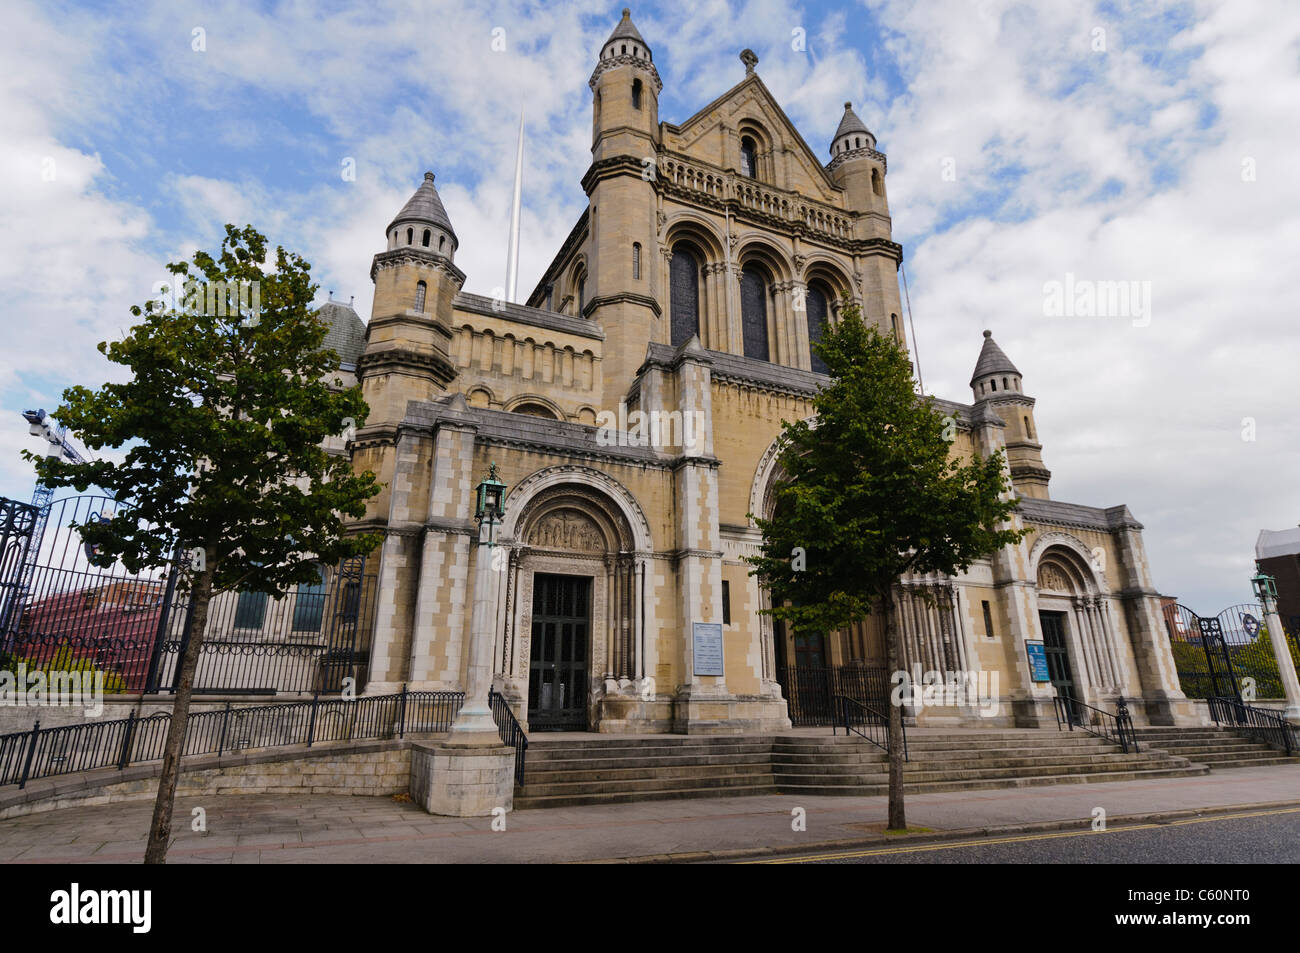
711, 136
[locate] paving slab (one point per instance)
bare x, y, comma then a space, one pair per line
336, 829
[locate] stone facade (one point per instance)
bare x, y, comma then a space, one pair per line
686, 297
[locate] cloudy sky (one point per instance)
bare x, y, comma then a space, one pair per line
1152, 143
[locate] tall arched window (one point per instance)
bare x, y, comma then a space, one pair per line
427, 235
818, 306
875, 181
420, 289
636, 261
748, 158
582, 294
636, 94
684, 276
753, 312
410, 235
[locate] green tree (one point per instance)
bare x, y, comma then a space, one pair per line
873, 491
230, 397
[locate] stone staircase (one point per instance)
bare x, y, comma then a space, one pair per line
564, 772
1217, 747
965, 762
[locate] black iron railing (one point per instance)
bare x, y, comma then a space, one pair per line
511, 732
810, 691
1257, 723
46, 752
1116, 727
864, 721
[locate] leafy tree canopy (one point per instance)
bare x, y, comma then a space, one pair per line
228, 403
872, 489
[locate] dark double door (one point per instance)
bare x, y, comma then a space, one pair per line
558, 676
1058, 656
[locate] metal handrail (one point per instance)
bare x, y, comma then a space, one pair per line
1116, 727
512, 733
868, 717
1258, 723
65, 749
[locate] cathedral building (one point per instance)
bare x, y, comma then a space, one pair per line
614, 593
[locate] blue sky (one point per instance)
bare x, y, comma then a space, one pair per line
1107, 140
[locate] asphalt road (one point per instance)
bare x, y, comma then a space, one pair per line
1260, 837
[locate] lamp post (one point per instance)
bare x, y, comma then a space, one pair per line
1266, 591
474, 724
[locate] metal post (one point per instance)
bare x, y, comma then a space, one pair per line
31, 753
311, 725
127, 736
401, 712
160, 634
221, 738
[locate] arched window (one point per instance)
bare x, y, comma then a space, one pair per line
818, 306
893, 319
420, 289
442, 240
875, 181
748, 158
636, 94
753, 312
582, 294
636, 261
410, 235
684, 277
427, 235
624, 47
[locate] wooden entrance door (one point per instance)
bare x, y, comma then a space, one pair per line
558, 668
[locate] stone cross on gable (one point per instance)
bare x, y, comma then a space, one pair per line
750, 60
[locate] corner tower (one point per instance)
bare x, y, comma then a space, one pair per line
857, 167
622, 235
406, 353
997, 385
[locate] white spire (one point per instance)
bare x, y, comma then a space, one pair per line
512, 260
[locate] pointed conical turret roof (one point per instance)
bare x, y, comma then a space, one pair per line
425, 208
850, 123
992, 360
626, 30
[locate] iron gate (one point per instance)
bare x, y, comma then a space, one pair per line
60, 610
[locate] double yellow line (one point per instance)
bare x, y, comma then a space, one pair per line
1024, 838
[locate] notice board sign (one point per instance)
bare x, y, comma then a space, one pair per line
1037, 661
707, 648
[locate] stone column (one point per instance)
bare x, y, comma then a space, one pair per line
474, 724
1285, 665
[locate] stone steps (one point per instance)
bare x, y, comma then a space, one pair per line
1219, 748
561, 772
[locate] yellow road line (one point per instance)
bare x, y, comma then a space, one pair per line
984, 841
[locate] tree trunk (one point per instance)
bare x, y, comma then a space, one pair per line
160, 829
897, 817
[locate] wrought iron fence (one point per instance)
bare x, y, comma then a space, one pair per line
866, 722
810, 692
1116, 727
61, 611
1214, 655
1258, 723
47, 752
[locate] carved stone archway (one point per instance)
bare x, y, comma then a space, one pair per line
575, 529
1069, 582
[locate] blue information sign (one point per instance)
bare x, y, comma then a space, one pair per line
1038, 661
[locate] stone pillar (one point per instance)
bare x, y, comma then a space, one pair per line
1285, 665
474, 725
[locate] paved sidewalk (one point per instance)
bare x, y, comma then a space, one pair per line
328, 829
